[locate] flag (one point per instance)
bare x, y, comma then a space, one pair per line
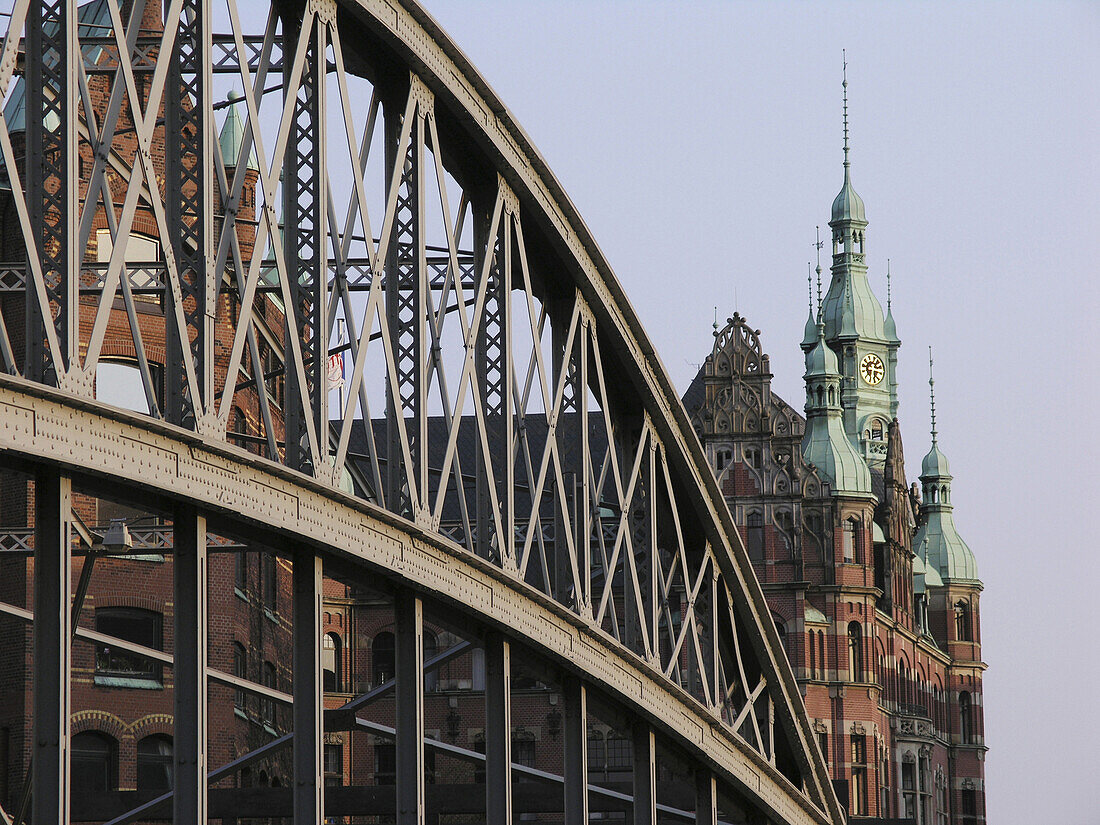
335, 371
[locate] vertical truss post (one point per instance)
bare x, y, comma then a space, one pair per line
645, 774
572, 446
405, 312
706, 797
52, 181
649, 557
189, 669
637, 619
304, 237
409, 624
189, 190
575, 735
308, 705
52, 630
487, 365
498, 729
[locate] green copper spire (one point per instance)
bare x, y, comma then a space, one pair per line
888, 326
232, 136
809, 337
825, 444
937, 538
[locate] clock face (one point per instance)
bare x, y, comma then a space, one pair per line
871, 369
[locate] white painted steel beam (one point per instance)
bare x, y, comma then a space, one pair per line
41, 424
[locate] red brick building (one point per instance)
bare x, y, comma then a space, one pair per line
871, 587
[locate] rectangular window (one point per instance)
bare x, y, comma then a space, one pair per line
130, 624
908, 776
756, 537
271, 586
334, 765
859, 749
385, 764
620, 753
823, 743
848, 541
969, 804
858, 801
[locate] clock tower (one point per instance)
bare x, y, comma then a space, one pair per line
865, 342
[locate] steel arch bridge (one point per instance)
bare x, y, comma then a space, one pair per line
507, 459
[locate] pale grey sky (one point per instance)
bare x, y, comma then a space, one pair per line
702, 144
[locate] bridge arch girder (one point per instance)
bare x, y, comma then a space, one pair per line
614, 525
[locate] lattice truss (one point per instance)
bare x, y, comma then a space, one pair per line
488, 395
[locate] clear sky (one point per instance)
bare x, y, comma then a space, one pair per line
702, 144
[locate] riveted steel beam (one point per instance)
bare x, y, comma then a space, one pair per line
43, 425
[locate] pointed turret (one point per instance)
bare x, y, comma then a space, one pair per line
825, 444
888, 326
855, 327
937, 539
232, 137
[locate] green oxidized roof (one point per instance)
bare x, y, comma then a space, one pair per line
934, 465
851, 308
232, 136
938, 539
825, 444
943, 547
848, 205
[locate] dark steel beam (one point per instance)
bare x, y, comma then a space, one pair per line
189, 672
645, 774
52, 596
575, 732
308, 784
409, 643
498, 729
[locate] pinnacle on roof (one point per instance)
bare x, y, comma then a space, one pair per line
934, 465
232, 136
848, 206
888, 326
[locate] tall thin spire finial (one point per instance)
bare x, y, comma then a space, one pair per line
932, 394
810, 285
716, 320
844, 84
818, 244
889, 308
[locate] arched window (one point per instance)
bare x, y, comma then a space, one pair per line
330, 663
118, 382
813, 656
382, 658
962, 621
823, 663
782, 631
756, 537
966, 721
93, 766
877, 433
855, 652
154, 763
